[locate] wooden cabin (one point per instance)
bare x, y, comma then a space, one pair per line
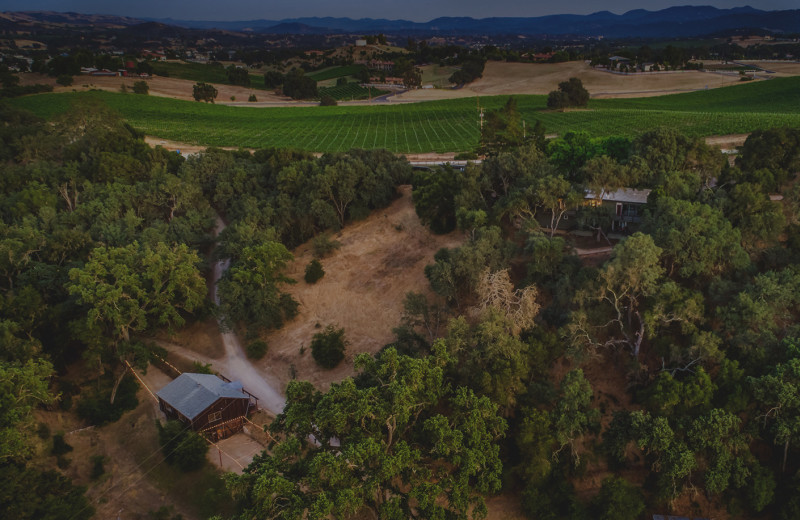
626, 205
208, 403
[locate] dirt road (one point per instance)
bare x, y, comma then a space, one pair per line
269, 396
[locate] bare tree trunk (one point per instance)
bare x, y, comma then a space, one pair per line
117, 383
785, 455
639, 337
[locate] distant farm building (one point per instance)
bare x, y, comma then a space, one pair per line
207, 403
150, 55
91, 71
618, 61
385, 66
543, 56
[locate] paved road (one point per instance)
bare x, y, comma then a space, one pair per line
240, 369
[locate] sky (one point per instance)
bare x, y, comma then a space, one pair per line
415, 10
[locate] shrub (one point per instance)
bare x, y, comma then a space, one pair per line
314, 271
60, 446
43, 431
257, 349
181, 447
327, 101
618, 500
141, 87
97, 466
272, 79
200, 368
204, 92
252, 98
95, 407
238, 76
322, 245
328, 346
341, 82
65, 80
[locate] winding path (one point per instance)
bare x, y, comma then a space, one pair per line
240, 369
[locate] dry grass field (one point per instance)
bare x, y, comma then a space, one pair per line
500, 78
380, 260
170, 87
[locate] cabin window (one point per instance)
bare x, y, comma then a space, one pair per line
215, 416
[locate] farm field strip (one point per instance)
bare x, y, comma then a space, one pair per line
335, 72
436, 126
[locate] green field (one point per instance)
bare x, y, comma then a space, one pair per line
351, 91
438, 126
335, 72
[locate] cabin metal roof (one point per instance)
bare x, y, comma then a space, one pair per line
623, 195
190, 394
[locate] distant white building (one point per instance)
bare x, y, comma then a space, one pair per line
361, 43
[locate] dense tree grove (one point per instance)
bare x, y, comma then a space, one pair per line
398, 440
102, 239
297, 85
662, 367
696, 308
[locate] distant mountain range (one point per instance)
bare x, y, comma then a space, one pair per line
681, 21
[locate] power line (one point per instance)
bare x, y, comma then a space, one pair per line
151, 455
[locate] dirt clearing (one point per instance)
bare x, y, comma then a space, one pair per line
787, 68
500, 78
380, 260
169, 87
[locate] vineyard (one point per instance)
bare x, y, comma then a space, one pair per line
438, 126
335, 72
351, 91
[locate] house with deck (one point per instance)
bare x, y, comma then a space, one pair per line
209, 404
626, 205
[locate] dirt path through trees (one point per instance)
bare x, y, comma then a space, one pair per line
270, 398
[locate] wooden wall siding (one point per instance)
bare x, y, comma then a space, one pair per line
222, 411
229, 408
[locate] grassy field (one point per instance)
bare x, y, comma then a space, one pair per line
200, 72
335, 72
438, 126
351, 91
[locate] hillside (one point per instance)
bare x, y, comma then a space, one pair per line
380, 260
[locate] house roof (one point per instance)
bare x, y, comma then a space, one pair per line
623, 195
190, 394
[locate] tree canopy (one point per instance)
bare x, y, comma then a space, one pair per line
397, 440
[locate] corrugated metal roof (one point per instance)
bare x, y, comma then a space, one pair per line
623, 195
190, 394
